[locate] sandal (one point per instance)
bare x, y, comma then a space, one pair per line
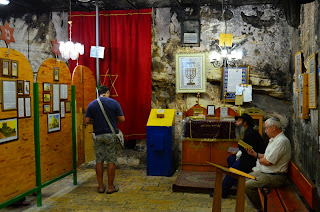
114, 190
101, 191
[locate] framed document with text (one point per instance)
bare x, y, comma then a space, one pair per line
190, 73
9, 95
298, 69
312, 81
231, 78
190, 32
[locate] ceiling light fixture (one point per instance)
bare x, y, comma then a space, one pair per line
223, 56
70, 50
4, 2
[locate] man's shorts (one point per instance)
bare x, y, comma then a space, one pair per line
105, 148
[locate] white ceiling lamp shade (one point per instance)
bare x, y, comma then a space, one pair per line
4, 2
70, 50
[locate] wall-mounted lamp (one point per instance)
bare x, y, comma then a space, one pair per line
225, 57
4, 2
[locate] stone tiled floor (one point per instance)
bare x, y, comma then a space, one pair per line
138, 192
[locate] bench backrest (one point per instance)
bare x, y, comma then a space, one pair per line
307, 188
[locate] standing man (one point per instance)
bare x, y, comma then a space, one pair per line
105, 141
273, 164
245, 132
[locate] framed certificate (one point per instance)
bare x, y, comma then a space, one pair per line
190, 32
9, 95
312, 81
298, 69
210, 110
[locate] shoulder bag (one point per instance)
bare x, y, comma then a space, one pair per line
120, 134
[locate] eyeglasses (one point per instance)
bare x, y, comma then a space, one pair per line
268, 127
275, 119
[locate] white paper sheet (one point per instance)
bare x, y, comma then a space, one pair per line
234, 79
239, 90
247, 94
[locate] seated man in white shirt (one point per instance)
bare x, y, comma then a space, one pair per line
273, 163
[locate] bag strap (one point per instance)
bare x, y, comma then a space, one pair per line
106, 117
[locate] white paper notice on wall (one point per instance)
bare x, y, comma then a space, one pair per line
247, 94
97, 52
239, 90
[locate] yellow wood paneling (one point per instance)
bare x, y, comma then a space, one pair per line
17, 158
85, 83
55, 147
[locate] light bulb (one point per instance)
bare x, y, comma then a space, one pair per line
224, 53
4, 2
214, 56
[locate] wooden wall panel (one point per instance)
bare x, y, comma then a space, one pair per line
85, 83
17, 158
55, 147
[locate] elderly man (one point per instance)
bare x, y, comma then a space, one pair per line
273, 163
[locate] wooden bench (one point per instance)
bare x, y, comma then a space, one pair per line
300, 195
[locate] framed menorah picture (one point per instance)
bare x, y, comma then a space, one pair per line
190, 73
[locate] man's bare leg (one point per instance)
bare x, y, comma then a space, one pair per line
111, 170
99, 173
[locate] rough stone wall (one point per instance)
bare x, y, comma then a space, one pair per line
305, 132
33, 34
261, 32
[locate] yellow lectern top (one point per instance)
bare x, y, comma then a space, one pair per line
166, 121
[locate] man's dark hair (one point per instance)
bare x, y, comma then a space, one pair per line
103, 89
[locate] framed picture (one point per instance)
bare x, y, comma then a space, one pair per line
298, 68
211, 110
54, 122
26, 87
56, 71
312, 81
55, 97
9, 95
62, 109
190, 73
68, 106
9, 129
20, 87
46, 87
21, 112
231, 78
46, 97
0, 91
5, 67
27, 106
46, 108
14, 68
64, 91
190, 32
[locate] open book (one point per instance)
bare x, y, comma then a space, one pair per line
244, 144
233, 149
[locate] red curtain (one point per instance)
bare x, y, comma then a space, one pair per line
126, 67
